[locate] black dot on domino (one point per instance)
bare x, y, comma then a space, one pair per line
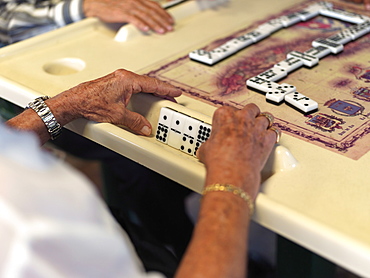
165, 117
177, 122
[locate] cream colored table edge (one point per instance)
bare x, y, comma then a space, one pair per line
288, 178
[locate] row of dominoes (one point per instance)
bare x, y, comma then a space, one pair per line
181, 131
266, 29
276, 93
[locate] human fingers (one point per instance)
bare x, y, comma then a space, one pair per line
148, 15
146, 84
267, 116
136, 123
367, 4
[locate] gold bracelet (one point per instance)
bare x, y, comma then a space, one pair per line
233, 189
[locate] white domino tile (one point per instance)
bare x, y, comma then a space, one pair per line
334, 47
273, 74
313, 10
202, 56
189, 135
256, 35
308, 60
239, 42
261, 84
301, 102
277, 94
270, 26
290, 64
341, 37
175, 133
203, 133
164, 123
318, 51
344, 15
290, 19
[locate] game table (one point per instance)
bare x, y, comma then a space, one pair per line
313, 194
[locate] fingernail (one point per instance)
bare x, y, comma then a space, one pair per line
160, 30
146, 130
169, 28
367, 7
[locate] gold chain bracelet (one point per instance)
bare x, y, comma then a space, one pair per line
233, 189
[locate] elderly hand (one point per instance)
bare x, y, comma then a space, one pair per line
144, 14
365, 2
238, 147
105, 99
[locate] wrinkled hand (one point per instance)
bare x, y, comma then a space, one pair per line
365, 2
238, 147
144, 14
105, 99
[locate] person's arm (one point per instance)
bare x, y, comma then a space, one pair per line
234, 154
101, 100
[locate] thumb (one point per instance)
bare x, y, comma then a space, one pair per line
137, 123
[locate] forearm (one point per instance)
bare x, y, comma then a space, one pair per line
219, 244
29, 120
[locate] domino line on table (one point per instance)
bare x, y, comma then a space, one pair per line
321, 47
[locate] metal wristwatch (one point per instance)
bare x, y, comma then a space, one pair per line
40, 107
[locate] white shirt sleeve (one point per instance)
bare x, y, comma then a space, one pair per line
52, 222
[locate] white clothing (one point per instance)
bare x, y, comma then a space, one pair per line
52, 222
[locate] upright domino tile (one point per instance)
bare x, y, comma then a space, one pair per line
273, 74
164, 124
203, 133
318, 51
308, 60
301, 102
189, 135
290, 64
175, 132
261, 84
334, 47
277, 95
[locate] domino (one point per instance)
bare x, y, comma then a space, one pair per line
341, 38
256, 35
175, 132
203, 133
344, 15
358, 30
290, 64
261, 84
301, 102
221, 53
239, 42
308, 60
270, 26
313, 10
318, 51
290, 19
189, 135
203, 56
277, 95
164, 123
273, 74
334, 47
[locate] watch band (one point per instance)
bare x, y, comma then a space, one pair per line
40, 107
